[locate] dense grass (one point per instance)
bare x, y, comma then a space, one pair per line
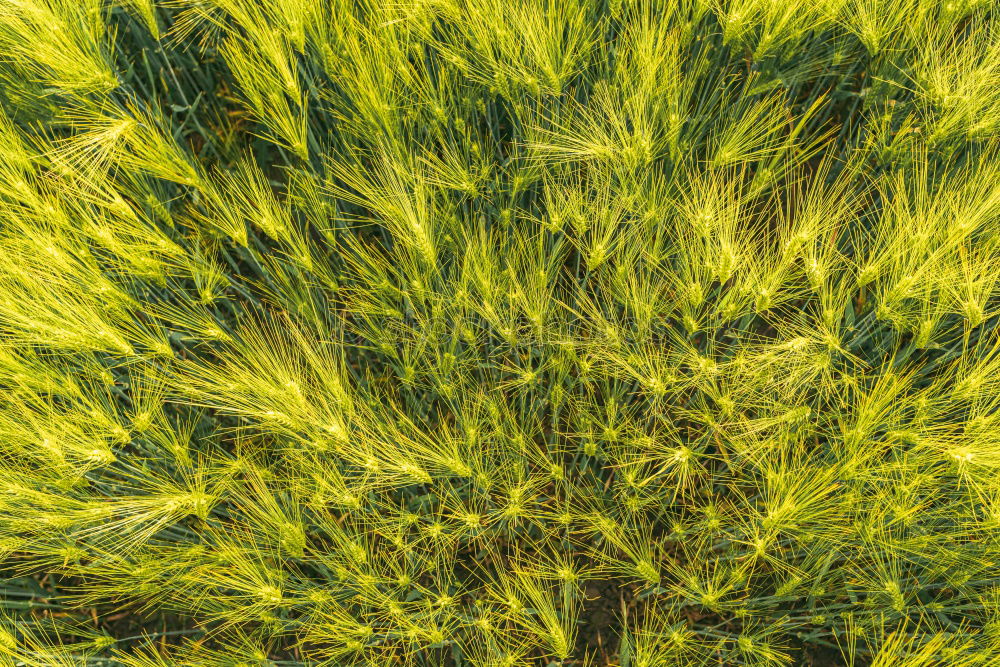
499, 332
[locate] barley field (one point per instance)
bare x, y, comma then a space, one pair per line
499, 333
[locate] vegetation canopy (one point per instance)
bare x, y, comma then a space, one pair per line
497, 333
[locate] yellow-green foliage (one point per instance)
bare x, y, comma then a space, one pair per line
499, 332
